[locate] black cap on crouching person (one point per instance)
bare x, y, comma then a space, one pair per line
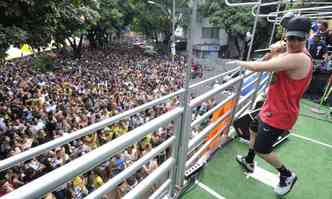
285, 19
299, 27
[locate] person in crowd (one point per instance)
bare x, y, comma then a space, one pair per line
5, 185
318, 48
323, 31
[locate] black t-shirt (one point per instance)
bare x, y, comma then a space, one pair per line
327, 37
317, 50
324, 36
50, 126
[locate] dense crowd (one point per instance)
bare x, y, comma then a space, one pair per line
37, 107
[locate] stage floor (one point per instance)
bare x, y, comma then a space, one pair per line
308, 151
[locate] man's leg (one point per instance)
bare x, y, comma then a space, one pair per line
272, 159
252, 139
247, 162
251, 152
266, 137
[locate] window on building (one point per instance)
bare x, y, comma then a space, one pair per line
210, 33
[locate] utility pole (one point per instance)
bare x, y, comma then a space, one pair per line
173, 51
168, 13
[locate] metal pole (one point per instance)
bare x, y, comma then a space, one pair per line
172, 15
186, 119
274, 27
254, 30
175, 155
270, 43
173, 33
258, 75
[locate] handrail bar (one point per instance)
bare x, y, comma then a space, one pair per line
318, 14
248, 74
214, 78
264, 80
242, 110
276, 13
211, 111
196, 101
57, 177
263, 50
148, 181
160, 190
270, 3
249, 84
244, 98
249, 3
116, 180
278, 19
35, 151
200, 136
203, 148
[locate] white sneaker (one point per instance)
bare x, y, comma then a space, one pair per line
249, 167
285, 184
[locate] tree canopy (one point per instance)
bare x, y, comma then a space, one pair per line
153, 18
40, 22
237, 21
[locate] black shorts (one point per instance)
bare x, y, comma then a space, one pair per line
266, 136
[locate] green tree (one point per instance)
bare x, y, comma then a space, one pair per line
73, 20
9, 36
39, 22
237, 21
24, 21
156, 18
115, 16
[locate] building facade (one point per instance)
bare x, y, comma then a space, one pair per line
208, 39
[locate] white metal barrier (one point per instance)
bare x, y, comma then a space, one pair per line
50, 181
27, 155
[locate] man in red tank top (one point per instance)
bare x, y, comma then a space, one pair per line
292, 75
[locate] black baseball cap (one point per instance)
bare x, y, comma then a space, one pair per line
285, 19
298, 26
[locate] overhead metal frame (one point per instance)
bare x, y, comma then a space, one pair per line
256, 3
314, 12
276, 13
228, 3
277, 20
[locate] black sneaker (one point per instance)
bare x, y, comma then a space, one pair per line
285, 184
249, 167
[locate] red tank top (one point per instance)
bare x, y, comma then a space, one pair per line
281, 107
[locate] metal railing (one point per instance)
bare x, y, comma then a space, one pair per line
57, 177
314, 12
228, 3
50, 181
27, 155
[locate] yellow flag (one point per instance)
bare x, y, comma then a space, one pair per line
26, 49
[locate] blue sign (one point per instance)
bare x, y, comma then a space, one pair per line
249, 83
